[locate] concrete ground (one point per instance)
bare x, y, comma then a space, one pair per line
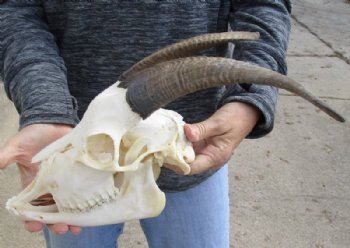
289, 189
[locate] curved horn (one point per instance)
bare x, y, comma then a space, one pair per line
186, 48
153, 88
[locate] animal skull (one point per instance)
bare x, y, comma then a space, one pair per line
104, 171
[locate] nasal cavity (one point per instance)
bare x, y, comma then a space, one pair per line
101, 147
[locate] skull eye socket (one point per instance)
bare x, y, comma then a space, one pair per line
101, 147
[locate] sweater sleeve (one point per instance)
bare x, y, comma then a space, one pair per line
271, 18
33, 73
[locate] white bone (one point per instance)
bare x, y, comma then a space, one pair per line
104, 171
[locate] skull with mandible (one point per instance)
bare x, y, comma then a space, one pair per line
104, 171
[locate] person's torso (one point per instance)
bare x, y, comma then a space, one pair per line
98, 40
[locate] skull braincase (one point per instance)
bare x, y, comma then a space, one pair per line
104, 171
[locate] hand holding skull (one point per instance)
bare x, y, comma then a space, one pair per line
216, 139
21, 148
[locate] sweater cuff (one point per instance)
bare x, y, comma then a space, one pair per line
41, 95
70, 117
52, 119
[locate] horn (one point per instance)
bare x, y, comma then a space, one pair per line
186, 48
155, 87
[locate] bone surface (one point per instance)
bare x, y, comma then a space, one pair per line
105, 170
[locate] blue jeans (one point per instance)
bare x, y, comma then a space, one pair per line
196, 218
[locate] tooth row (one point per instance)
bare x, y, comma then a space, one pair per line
73, 207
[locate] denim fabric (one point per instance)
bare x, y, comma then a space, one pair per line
90, 237
196, 218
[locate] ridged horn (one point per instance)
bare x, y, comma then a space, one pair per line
186, 48
155, 87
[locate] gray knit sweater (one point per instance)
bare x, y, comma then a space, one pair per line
57, 55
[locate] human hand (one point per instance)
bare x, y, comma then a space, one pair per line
215, 139
21, 148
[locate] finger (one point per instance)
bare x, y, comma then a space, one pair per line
58, 228
199, 146
211, 157
33, 226
202, 163
8, 155
75, 229
174, 168
202, 130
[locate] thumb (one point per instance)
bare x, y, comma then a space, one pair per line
8, 155
201, 130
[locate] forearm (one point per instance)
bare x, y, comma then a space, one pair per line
31, 68
272, 20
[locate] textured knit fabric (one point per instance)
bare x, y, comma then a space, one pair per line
53, 52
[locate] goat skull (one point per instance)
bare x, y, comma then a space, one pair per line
104, 171
112, 160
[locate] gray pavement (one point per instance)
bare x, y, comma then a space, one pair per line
288, 189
